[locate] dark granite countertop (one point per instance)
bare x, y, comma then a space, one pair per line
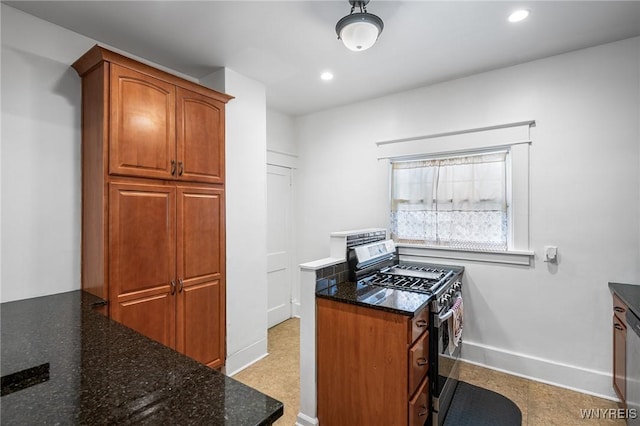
630, 295
373, 296
383, 298
63, 363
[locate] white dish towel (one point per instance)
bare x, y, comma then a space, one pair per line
455, 325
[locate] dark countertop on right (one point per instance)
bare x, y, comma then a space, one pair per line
630, 295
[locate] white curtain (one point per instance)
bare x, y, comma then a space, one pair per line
458, 202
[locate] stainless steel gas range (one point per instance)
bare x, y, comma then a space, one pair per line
377, 264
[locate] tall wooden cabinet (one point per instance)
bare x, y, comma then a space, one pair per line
153, 228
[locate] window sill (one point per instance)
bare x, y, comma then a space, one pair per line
417, 252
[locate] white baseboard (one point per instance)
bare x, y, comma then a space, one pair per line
304, 420
295, 311
592, 382
246, 357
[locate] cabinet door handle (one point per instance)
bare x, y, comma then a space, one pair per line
424, 411
173, 167
181, 168
422, 323
181, 282
173, 287
421, 361
619, 309
618, 327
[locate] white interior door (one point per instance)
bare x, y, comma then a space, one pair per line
279, 276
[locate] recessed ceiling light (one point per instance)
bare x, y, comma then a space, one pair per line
326, 76
518, 15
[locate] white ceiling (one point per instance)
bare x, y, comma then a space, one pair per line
287, 44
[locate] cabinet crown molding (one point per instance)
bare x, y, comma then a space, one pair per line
98, 55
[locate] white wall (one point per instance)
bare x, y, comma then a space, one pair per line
281, 132
549, 322
41, 157
246, 186
638, 263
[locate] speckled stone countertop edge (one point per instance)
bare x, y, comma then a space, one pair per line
630, 295
352, 301
87, 366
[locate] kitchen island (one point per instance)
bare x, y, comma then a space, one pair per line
372, 355
64, 363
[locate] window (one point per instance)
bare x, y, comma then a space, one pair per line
459, 202
437, 155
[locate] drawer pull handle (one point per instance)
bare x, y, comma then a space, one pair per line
173, 287
424, 411
421, 361
618, 327
181, 170
173, 167
421, 323
619, 309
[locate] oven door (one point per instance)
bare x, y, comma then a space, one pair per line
445, 365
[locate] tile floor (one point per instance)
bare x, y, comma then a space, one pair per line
540, 404
277, 375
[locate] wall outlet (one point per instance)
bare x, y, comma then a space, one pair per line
550, 254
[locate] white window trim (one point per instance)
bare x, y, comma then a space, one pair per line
515, 137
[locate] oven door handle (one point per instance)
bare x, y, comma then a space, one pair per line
446, 316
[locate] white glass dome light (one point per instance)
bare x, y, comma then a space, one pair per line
359, 31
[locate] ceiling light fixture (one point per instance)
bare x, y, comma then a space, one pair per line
519, 15
359, 31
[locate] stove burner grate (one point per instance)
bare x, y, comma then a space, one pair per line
420, 279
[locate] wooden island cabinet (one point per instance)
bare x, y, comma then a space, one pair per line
372, 365
153, 227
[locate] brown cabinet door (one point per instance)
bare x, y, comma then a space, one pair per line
142, 259
200, 137
142, 126
362, 365
619, 358
201, 274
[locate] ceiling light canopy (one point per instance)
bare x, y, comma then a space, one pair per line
359, 31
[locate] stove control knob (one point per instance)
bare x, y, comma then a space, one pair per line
451, 292
457, 285
445, 298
